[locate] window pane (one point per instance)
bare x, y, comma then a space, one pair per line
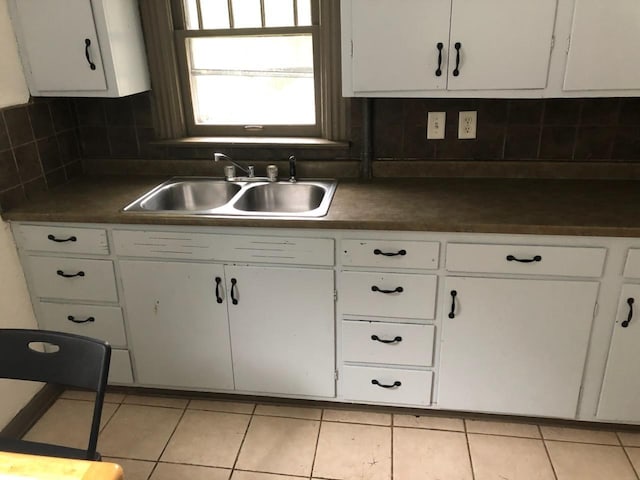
258, 80
304, 12
246, 13
191, 12
278, 13
215, 14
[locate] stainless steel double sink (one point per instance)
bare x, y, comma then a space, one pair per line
214, 196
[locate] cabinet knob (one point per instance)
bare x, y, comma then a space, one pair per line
53, 238
511, 258
73, 319
401, 253
376, 338
218, 282
374, 288
69, 275
382, 385
630, 302
234, 299
452, 313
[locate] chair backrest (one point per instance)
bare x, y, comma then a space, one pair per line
74, 361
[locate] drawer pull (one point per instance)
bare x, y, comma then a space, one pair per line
382, 385
376, 338
70, 275
234, 300
456, 71
452, 313
87, 44
218, 297
511, 258
73, 319
395, 290
377, 251
61, 240
625, 324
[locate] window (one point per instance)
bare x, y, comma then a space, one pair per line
250, 67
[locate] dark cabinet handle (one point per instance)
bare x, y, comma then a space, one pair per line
402, 253
452, 313
456, 71
73, 319
394, 385
61, 240
87, 44
625, 324
376, 338
439, 46
234, 300
395, 290
511, 258
70, 275
218, 297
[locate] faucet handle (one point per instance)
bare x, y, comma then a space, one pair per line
251, 170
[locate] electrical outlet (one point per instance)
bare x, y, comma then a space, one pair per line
435, 125
467, 125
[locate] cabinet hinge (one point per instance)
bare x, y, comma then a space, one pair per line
335, 374
595, 310
553, 42
351, 48
335, 295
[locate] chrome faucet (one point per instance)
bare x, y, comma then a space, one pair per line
250, 170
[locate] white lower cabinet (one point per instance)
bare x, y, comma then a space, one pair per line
515, 346
620, 396
282, 329
179, 331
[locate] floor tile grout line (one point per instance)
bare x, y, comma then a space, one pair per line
626, 454
466, 437
546, 449
315, 450
244, 437
184, 411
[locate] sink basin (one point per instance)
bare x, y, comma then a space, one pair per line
282, 198
190, 195
214, 196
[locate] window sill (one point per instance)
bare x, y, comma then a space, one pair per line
300, 142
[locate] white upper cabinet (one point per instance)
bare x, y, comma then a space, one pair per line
501, 44
422, 47
81, 47
396, 45
604, 42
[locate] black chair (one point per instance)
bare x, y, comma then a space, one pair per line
80, 362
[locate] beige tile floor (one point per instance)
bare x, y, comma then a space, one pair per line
160, 438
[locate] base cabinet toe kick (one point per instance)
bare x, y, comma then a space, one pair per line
529, 325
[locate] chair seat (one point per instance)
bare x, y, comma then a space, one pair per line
45, 449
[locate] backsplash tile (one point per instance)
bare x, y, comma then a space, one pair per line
38, 149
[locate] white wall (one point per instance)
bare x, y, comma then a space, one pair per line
15, 306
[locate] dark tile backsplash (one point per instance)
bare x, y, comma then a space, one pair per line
38, 148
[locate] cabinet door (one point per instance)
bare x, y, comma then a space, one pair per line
179, 333
395, 44
604, 46
515, 346
282, 330
504, 44
620, 396
55, 33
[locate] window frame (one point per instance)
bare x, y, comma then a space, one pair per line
331, 108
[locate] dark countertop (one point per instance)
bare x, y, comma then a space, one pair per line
527, 206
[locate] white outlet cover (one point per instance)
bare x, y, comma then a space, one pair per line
467, 125
436, 125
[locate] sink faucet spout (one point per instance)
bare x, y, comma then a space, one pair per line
292, 168
249, 170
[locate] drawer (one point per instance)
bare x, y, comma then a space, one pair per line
632, 267
97, 282
120, 369
107, 323
414, 386
237, 248
361, 294
393, 343
390, 253
62, 239
526, 259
